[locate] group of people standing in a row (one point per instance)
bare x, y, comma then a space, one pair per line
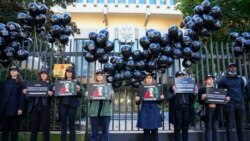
181, 108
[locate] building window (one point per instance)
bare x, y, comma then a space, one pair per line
111, 1
79, 1
90, 1
121, 1
163, 2
172, 2
100, 1
152, 2
131, 1
142, 1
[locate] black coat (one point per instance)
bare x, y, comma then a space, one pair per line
12, 98
72, 101
44, 101
248, 90
174, 100
218, 111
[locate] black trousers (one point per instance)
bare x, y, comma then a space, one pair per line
68, 113
150, 134
236, 111
211, 124
10, 124
40, 115
181, 122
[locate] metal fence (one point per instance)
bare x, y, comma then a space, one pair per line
124, 115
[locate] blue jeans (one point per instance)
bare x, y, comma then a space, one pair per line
235, 110
211, 124
68, 113
103, 122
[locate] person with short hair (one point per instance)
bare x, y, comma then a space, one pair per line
235, 106
39, 109
12, 93
149, 116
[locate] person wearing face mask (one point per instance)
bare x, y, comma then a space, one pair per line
235, 106
181, 111
12, 93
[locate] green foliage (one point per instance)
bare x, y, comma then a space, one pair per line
235, 15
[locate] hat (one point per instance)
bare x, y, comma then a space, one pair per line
178, 73
70, 69
99, 71
14, 68
231, 64
44, 70
208, 76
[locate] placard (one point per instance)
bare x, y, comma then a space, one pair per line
216, 96
150, 92
59, 70
37, 88
98, 91
184, 85
65, 88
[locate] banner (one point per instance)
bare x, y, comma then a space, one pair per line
184, 85
99, 91
216, 96
65, 88
59, 70
150, 92
37, 89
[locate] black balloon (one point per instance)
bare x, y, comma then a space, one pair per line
164, 40
137, 74
204, 32
140, 65
113, 59
148, 32
89, 57
56, 30
238, 50
186, 40
146, 55
105, 32
22, 17
64, 39
41, 30
50, 38
101, 40
119, 63
173, 32
56, 19
186, 63
190, 24
167, 50
198, 9
99, 52
11, 26
109, 68
109, 46
154, 36
136, 54
128, 75
130, 64
151, 66
90, 46
117, 77
177, 45
28, 42
110, 78
240, 41
126, 51
234, 35
196, 45
245, 35
217, 25
92, 36
41, 18
187, 19
103, 59
154, 49
9, 51
187, 52
207, 6
2, 54
177, 53
15, 44
13, 35
136, 84
42, 8
216, 12
21, 55
2, 42
144, 42
191, 33
208, 20
162, 61
66, 19
33, 9
67, 30
196, 56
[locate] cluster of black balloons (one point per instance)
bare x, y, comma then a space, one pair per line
59, 28
98, 47
241, 43
34, 18
205, 20
12, 37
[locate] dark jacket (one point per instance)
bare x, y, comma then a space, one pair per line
181, 98
248, 90
12, 98
40, 101
72, 101
149, 116
218, 111
235, 88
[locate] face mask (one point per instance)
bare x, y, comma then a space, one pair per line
231, 73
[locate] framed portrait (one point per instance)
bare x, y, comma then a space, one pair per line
150, 92
37, 88
99, 91
65, 88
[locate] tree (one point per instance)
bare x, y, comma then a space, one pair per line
235, 15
